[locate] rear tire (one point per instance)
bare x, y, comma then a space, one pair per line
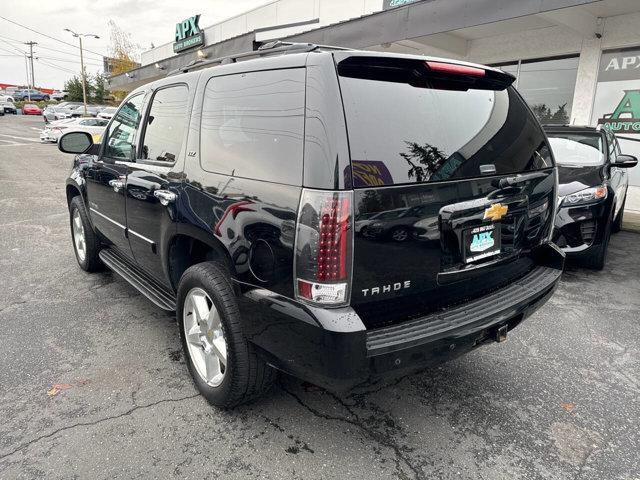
617, 224
245, 375
598, 256
85, 242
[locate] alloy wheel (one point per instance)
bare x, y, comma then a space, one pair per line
205, 336
78, 236
399, 235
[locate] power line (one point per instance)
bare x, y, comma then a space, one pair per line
49, 36
57, 49
13, 53
70, 61
15, 48
58, 67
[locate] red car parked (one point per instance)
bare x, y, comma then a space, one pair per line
31, 109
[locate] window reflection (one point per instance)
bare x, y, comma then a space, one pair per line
166, 124
253, 124
548, 87
120, 138
400, 134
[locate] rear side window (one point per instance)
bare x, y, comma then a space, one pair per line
253, 124
166, 124
406, 127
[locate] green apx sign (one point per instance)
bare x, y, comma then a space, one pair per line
626, 116
188, 34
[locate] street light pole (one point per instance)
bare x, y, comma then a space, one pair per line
83, 73
84, 83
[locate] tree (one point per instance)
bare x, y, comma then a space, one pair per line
560, 117
545, 115
123, 52
99, 88
74, 88
429, 159
542, 112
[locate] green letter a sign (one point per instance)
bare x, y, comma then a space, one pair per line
630, 103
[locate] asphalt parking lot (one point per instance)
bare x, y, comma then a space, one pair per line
93, 383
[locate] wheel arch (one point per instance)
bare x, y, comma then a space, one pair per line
190, 246
73, 190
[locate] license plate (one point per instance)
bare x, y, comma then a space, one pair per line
481, 242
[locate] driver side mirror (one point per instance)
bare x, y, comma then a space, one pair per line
625, 161
76, 142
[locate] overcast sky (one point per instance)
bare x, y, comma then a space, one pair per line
146, 20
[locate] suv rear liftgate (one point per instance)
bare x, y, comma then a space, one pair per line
455, 182
453, 189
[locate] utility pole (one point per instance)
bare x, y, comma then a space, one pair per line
83, 73
26, 69
33, 80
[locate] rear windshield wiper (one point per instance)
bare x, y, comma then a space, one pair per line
520, 178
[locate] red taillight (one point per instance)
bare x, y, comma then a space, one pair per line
332, 253
324, 239
455, 69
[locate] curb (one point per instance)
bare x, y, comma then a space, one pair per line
631, 221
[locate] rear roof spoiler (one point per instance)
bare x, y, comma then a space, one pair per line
423, 72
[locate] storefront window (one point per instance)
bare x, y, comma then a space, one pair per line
547, 86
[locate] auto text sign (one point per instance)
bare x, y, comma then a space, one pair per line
617, 101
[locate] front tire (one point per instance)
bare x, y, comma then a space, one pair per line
617, 224
225, 367
85, 242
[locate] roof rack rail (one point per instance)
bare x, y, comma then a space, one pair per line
270, 48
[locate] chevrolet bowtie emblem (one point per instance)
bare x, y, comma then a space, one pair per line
495, 212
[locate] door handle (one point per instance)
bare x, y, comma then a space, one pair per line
165, 196
116, 184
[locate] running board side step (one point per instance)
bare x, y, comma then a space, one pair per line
146, 285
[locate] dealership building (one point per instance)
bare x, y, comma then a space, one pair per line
575, 61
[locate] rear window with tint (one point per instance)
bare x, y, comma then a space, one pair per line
400, 133
580, 149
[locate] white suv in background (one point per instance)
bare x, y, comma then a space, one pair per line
7, 105
59, 95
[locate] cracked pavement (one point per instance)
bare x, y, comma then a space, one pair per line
560, 399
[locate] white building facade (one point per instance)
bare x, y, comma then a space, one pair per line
576, 61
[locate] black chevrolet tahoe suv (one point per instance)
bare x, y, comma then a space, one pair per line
228, 192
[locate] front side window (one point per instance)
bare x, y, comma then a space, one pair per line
166, 124
579, 149
121, 135
253, 125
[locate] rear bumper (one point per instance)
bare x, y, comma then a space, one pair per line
333, 349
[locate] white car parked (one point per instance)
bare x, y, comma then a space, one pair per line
94, 126
59, 94
107, 112
7, 104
